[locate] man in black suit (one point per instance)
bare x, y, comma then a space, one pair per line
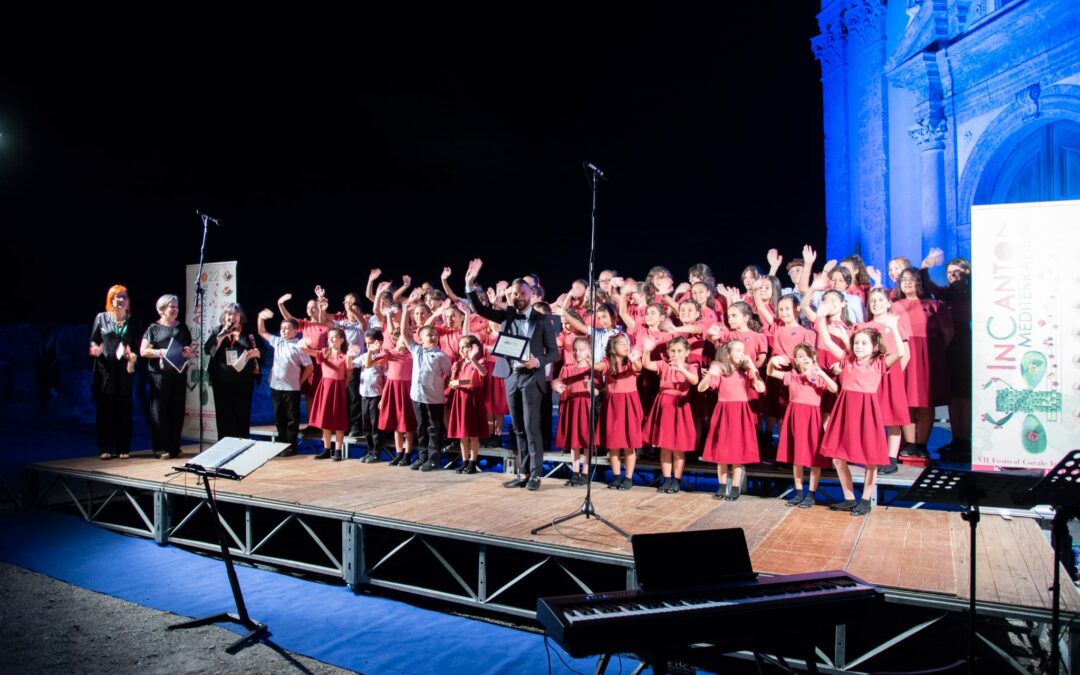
525, 379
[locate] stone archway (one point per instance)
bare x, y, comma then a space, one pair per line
999, 150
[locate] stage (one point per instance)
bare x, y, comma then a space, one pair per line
466, 539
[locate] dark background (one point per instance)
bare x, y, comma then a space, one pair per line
405, 137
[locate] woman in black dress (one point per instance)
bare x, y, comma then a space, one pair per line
229, 347
167, 385
114, 348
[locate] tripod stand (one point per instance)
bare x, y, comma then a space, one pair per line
587, 509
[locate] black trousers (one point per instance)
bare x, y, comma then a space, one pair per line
286, 415
356, 404
430, 431
114, 423
373, 435
524, 397
167, 410
232, 408
546, 417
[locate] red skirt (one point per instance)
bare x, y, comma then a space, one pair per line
774, 401
573, 429
800, 437
330, 408
927, 373
495, 396
620, 423
670, 424
732, 436
856, 430
892, 396
468, 415
396, 410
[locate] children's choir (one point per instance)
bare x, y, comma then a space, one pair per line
845, 369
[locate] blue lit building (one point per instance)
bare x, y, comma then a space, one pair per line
932, 106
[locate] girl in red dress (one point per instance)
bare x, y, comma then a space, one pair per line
927, 372
395, 407
468, 416
575, 406
784, 332
800, 431
494, 387
834, 308
643, 328
893, 394
621, 417
732, 436
855, 432
330, 406
670, 425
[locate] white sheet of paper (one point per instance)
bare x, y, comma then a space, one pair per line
238, 362
231, 356
120, 352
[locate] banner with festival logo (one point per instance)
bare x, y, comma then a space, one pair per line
1026, 327
219, 286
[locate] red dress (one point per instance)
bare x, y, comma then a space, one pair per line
316, 334
800, 431
826, 360
670, 424
893, 393
574, 406
330, 407
927, 372
449, 341
396, 409
856, 430
621, 416
494, 387
468, 415
732, 435
783, 339
648, 382
755, 344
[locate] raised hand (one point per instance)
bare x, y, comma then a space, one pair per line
491, 295
874, 274
445, 273
684, 287
781, 361
374, 274
934, 258
266, 315
415, 295
820, 282
774, 258
500, 287
383, 287
809, 255
406, 280
285, 298
473, 271
829, 265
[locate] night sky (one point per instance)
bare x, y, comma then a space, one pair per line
329, 141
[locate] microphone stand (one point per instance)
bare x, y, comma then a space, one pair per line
199, 292
587, 509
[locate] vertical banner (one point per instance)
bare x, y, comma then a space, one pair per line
219, 289
1025, 322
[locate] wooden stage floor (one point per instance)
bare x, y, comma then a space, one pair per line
915, 550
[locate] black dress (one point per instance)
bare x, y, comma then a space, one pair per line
167, 390
232, 388
111, 383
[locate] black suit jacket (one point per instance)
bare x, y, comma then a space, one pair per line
542, 342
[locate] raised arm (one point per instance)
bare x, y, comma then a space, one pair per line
369, 291
624, 313
764, 312
445, 278
472, 291
774, 258
826, 333
775, 363
265, 316
809, 258
406, 283
281, 306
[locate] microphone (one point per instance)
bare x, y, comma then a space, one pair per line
589, 166
254, 345
206, 217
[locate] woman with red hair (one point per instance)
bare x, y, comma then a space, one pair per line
114, 342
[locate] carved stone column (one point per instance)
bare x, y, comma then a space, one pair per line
830, 48
930, 137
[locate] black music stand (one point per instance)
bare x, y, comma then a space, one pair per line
234, 459
1060, 488
971, 489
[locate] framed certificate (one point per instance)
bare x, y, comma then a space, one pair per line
511, 346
